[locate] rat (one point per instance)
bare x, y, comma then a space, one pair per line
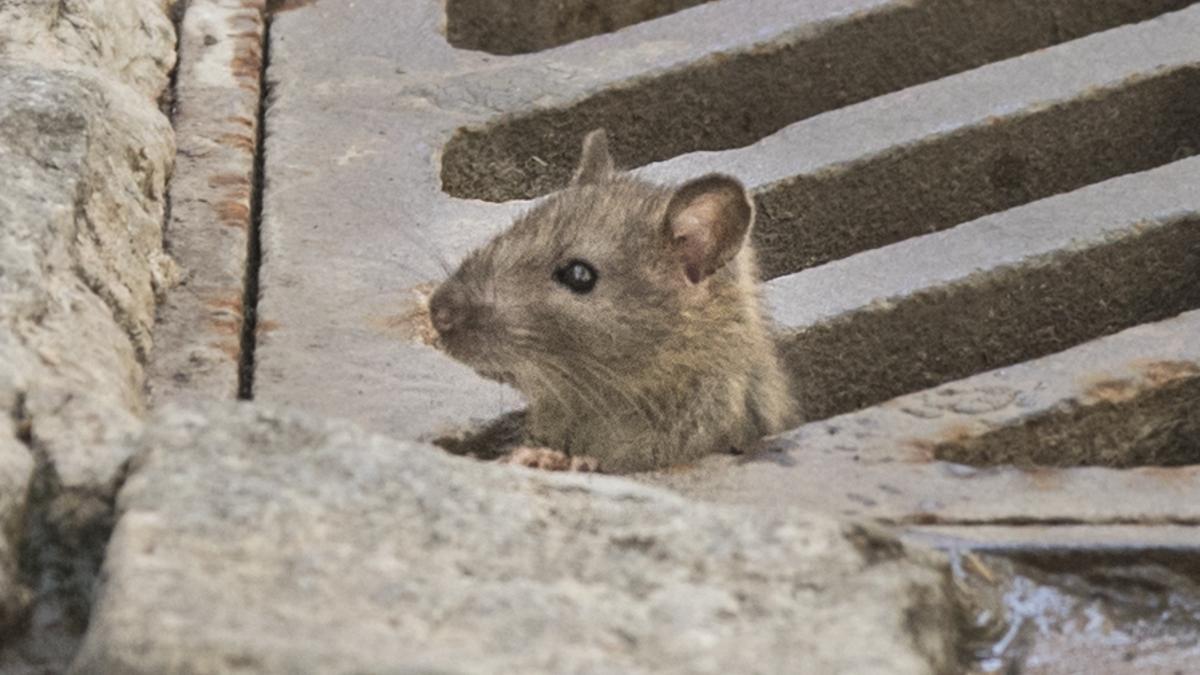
630, 316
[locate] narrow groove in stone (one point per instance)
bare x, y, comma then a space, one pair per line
522, 27
249, 338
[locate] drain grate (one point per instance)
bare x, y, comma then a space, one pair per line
522, 26
767, 64
980, 221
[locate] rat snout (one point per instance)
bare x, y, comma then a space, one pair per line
447, 308
463, 323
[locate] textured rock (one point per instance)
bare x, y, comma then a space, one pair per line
84, 158
130, 40
83, 172
83, 162
264, 541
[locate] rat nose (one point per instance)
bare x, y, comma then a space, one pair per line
446, 309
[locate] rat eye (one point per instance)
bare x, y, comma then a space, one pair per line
576, 275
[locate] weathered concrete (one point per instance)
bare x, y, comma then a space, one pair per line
217, 90
264, 541
1128, 399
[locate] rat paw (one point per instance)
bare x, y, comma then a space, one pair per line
585, 465
549, 460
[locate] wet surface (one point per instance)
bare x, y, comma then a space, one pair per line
1076, 614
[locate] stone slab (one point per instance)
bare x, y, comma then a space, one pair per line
262, 540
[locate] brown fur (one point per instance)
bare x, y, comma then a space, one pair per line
649, 368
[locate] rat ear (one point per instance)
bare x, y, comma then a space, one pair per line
595, 164
707, 221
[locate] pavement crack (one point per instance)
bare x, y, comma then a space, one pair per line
61, 546
249, 334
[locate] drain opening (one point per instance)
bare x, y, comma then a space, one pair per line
1144, 124
522, 26
1125, 424
995, 319
732, 100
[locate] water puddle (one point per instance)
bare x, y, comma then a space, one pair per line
1075, 615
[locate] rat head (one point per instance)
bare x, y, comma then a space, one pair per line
597, 280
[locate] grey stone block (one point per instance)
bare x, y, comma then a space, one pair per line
263, 540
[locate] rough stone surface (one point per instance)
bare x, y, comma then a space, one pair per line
131, 41
83, 172
84, 157
1183, 540
264, 541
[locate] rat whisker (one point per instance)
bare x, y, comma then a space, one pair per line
548, 383
538, 359
603, 373
590, 397
639, 405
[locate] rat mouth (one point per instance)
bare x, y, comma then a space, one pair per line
478, 355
